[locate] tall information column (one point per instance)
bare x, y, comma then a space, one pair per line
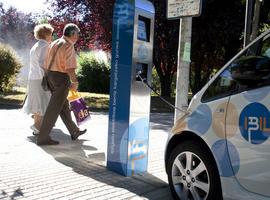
132, 52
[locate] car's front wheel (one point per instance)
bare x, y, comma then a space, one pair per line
192, 173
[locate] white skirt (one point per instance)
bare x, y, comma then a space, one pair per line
37, 99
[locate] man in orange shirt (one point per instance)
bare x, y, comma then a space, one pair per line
60, 65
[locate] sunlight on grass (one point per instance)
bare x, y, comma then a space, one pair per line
94, 101
16, 96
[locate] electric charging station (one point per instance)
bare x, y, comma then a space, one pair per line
129, 113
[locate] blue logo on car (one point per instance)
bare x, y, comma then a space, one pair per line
254, 123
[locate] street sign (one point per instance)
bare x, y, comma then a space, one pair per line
183, 8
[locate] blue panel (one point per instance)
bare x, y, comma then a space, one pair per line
128, 133
120, 85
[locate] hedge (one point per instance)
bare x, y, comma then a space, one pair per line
93, 74
9, 67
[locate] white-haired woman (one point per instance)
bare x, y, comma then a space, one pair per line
37, 99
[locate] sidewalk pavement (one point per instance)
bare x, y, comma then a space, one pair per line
75, 169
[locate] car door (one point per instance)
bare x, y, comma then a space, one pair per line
250, 130
216, 98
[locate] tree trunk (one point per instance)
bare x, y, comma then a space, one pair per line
165, 82
197, 78
255, 20
231, 49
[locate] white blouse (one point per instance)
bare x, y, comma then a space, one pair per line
37, 58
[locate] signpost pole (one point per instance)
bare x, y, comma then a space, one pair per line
183, 10
183, 66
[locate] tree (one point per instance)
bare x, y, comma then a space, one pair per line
95, 20
2, 10
9, 67
165, 47
264, 22
16, 28
255, 20
216, 37
94, 17
216, 34
260, 18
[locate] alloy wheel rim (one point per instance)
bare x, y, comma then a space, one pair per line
190, 177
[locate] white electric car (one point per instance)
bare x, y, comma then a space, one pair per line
220, 149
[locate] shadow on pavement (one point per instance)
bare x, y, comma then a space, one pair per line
10, 106
88, 161
16, 194
162, 121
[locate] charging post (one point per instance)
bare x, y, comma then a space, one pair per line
129, 112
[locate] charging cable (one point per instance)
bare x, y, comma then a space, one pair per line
144, 80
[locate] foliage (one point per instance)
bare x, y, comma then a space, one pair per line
9, 67
95, 20
93, 74
155, 81
93, 17
216, 37
165, 47
265, 16
16, 28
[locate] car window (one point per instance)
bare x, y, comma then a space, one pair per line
265, 49
221, 87
250, 70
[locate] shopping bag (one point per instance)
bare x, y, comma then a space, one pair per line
78, 107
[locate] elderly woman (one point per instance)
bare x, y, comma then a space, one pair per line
37, 99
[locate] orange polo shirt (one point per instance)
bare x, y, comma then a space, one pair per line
65, 55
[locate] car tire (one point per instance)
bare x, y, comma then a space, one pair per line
192, 173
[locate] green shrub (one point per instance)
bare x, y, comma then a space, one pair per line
156, 85
93, 74
155, 81
9, 67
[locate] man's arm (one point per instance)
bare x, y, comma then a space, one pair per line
73, 79
71, 64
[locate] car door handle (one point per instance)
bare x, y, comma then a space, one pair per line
221, 110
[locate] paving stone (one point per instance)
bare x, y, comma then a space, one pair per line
75, 169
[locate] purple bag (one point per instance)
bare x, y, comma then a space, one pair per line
79, 107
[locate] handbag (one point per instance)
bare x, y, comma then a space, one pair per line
45, 84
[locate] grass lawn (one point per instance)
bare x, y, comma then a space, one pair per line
96, 102
15, 97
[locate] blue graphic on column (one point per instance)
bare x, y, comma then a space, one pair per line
228, 164
137, 147
254, 123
